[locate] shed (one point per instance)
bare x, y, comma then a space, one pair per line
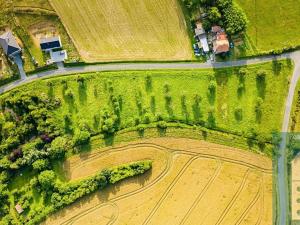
19, 208
48, 44
204, 43
9, 44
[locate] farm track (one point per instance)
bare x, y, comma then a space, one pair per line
202, 193
258, 196
112, 221
171, 150
175, 180
233, 200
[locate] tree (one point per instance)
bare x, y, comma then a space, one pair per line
235, 19
214, 15
81, 137
47, 179
40, 164
58, 147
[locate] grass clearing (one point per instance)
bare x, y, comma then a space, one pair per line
160, 197
142, 96
269, 31
120, 30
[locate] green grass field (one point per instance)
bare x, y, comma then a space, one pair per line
273, 24
176, 96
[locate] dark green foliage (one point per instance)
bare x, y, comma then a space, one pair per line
46, 179
58, 147
67, 193
109, 122
40, 164
81, 137
128, 170
235, 19
220, 12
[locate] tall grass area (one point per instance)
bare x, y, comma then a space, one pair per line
272, 23
233, 100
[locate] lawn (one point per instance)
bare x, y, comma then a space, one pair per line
272, 24
120, 30
182, 96
31, 27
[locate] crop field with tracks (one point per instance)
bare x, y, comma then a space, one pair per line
118, 30
191, 182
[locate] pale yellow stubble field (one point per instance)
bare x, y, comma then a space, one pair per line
126, 30
191, 183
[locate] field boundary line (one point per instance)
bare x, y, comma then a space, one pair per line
235, 197
201, 194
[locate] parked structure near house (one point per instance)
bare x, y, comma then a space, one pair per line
49, 44
19, 209
200, 34
9, 44
220, 40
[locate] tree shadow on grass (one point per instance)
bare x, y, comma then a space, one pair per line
276, 66
162, 131
109, 139
261, 86
82, 89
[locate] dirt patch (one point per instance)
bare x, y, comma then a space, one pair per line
42, 30
192, 182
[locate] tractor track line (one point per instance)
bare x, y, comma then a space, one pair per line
233, 200
165, 194
250, 206
202, 193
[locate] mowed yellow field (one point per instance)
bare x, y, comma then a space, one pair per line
191, 183
121, 30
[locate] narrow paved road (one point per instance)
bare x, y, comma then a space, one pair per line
295, 56
139, 66
282, 160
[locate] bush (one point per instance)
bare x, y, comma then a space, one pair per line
40, 164
235, 19
129, 170
162, 125
58, 147
46, 179
81, 137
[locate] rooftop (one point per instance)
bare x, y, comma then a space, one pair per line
9, 43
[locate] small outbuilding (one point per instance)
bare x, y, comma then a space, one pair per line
48, 44
19, 208
9, 44
201, 36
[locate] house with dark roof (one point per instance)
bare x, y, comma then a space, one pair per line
48, 44
9, 44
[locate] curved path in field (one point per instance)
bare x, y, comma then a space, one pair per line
295, 56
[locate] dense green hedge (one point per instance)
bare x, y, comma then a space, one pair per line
43, 69
64, 194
